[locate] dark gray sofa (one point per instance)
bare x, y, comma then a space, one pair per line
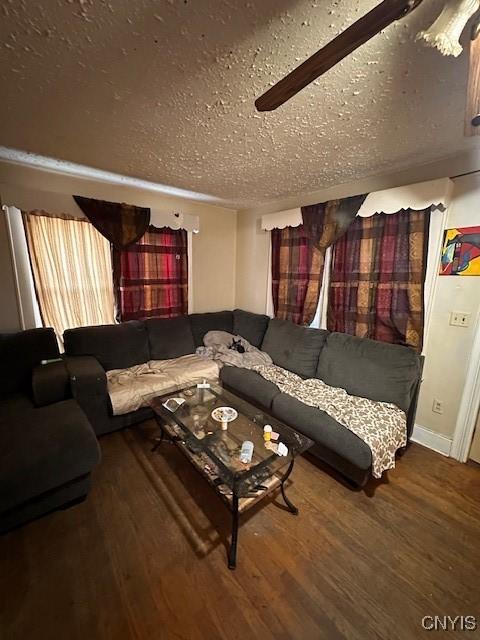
91, 351
47, 446
367, 368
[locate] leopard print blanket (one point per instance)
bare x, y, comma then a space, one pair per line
381, 425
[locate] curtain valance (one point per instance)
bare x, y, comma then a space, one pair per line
282, 219
417, 197
174, 220
58, 204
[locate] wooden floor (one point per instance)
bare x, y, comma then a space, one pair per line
144, 556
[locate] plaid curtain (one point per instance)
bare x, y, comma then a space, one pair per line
324, 223
377, 278
151, 276
298, 255
292, 254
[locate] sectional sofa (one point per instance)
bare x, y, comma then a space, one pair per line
375, 370
47, 446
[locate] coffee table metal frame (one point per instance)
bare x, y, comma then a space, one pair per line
277, 480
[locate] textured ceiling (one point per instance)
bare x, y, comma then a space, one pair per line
163, 90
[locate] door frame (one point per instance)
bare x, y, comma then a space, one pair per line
470, 403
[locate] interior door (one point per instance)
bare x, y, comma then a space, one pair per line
475, 448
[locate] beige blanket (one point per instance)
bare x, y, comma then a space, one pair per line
132, 388
381, 425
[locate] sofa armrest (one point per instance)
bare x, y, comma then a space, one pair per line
87, 376
50, 383
88, 382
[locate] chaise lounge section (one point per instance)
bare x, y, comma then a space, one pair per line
47, 446
375, 370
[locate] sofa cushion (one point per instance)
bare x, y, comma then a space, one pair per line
323, 430
293, 347
20, 353
15, 404
131, 389
169, 337
249, 385
116, 346
42, 449
251, 326
370, 369
202, 323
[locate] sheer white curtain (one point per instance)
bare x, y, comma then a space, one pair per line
72, 270
320, 319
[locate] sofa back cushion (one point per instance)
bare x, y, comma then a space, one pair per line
293, 347
370, 369
20, 353
251, 326
169, 337
115, 346
202, 323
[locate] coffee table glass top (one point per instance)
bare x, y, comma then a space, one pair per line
193, 424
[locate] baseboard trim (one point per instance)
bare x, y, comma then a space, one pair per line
435, 441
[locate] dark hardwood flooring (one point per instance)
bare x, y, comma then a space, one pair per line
144, 557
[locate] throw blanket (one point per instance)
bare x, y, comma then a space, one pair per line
381, 425
132, 388
217, 347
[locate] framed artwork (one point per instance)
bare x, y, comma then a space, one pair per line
461, 252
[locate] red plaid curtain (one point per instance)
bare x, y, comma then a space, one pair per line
377, 278
292, 254
151, 275
298, 255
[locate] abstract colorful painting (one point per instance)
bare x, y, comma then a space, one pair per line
461, 252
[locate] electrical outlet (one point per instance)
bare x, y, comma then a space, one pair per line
459, 319
437, 406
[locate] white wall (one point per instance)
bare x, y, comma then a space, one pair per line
213, 249
447, 348
252, 263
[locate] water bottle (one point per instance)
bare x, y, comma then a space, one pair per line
247, 452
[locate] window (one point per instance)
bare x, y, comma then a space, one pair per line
377, 278
152, 275
72, 271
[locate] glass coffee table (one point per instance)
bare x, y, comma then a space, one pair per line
215, 452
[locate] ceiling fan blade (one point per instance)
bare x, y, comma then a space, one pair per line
353, 37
